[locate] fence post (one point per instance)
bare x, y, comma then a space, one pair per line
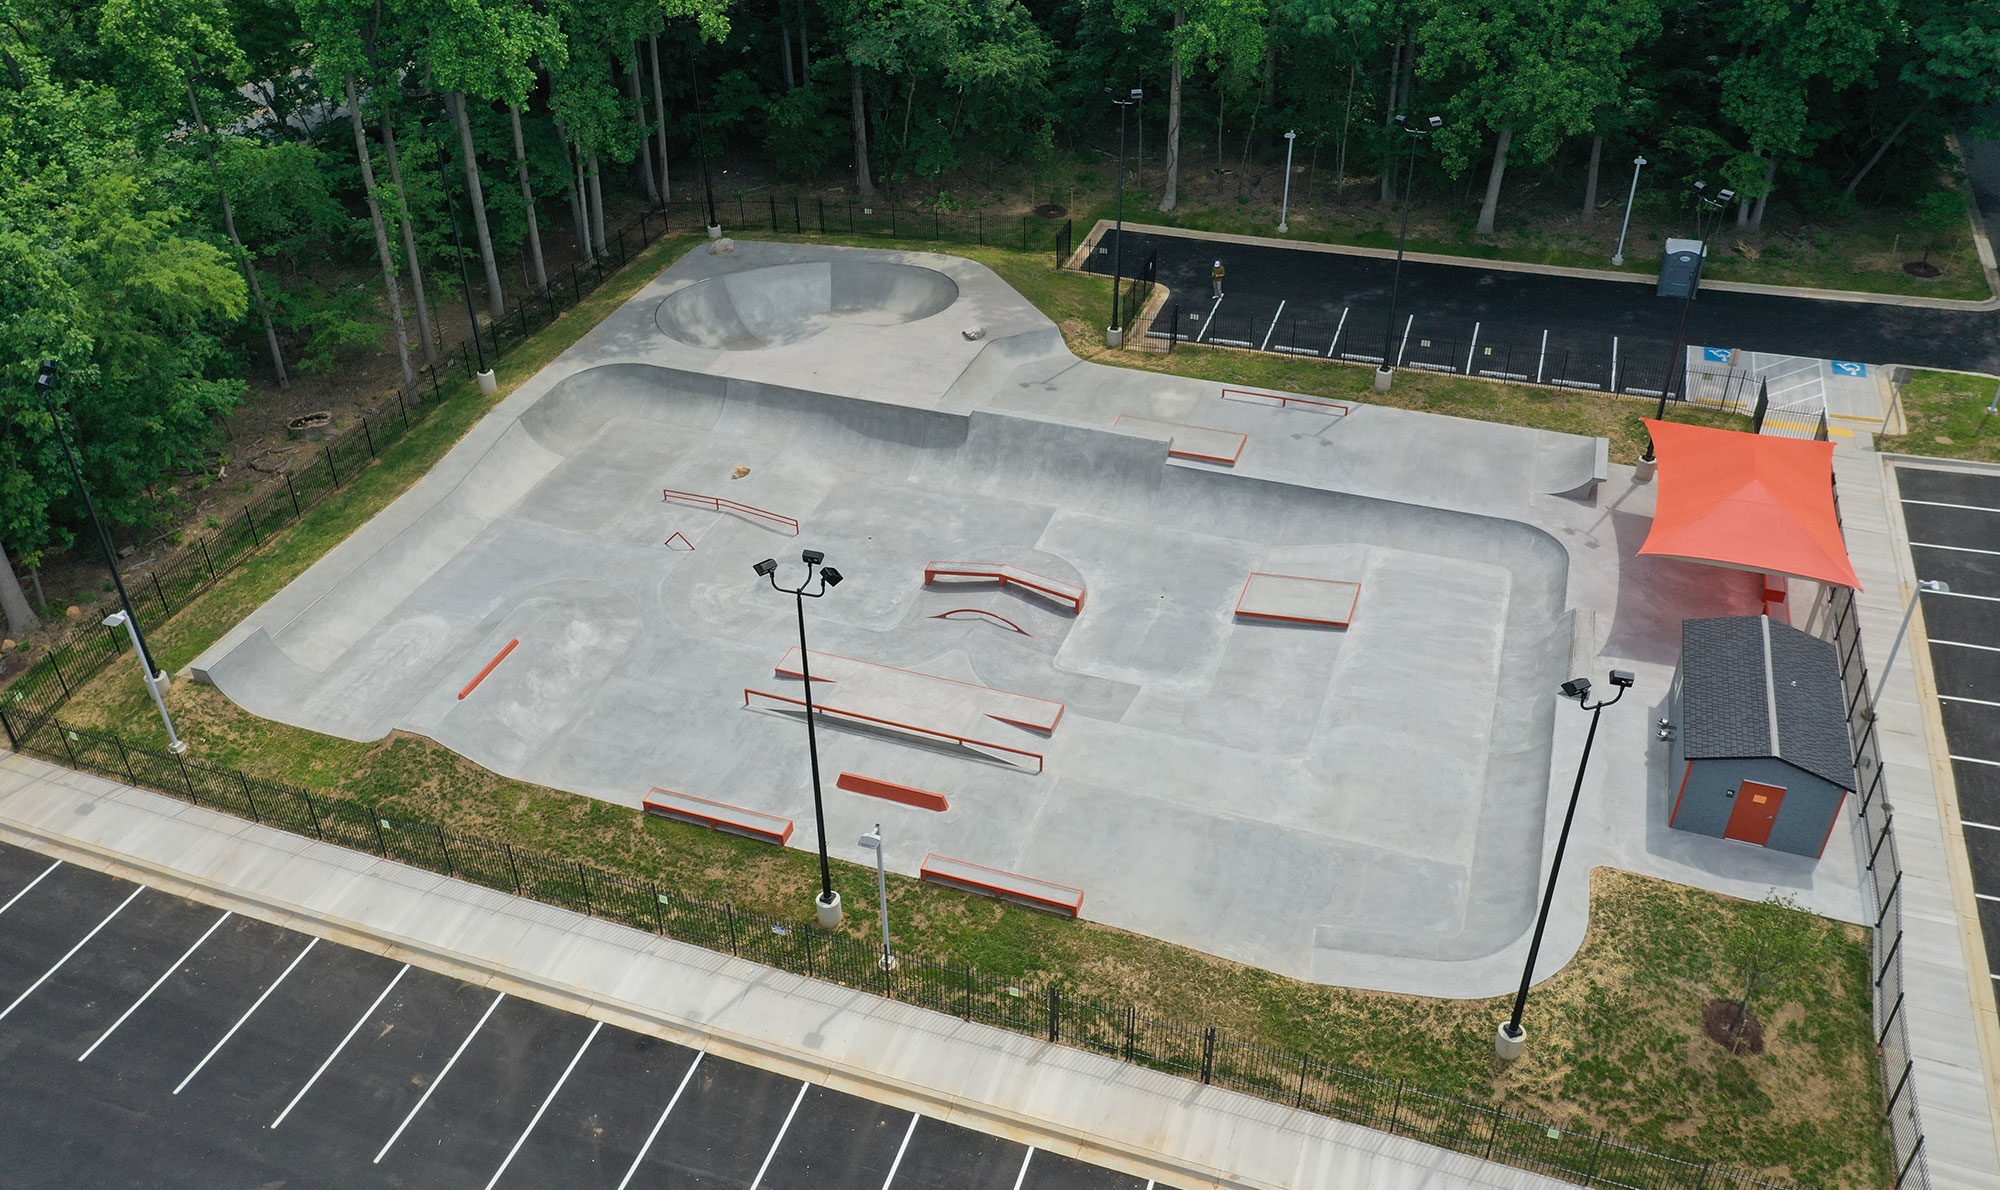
1493, 1137
13, 741
1887, 821
1174, 332
63, 735
381, 844
327, 450
1889, 899
125, 758
968, 992
205, 561
822, 216
1208, 1056
255, 541
1900, 1084
583, 888
444, 849
249, 797
730, 910
185, 778
1131, 1027
659, 922
165, 608
1889, 959
511, 869
774, 212
1299, 1100
1889, 1021
982, 228
807, 933
1055, 1014
296, 510
60, 680
1912, 1160
312, 814
1396, 1111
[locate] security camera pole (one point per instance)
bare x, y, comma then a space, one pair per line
1512, 1038
829, 900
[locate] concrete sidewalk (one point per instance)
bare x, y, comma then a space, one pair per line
1057, 1098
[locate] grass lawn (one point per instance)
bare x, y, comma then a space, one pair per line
1946, 413
1616, 1037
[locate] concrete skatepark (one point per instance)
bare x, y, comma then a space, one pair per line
1367, 805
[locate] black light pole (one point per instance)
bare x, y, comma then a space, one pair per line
458, 249
1115, 337
1387, 371
701, 128
1678, 363
1512, 1037
829, 900
45, 387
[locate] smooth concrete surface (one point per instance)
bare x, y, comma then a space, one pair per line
1241, 787
1068, 1101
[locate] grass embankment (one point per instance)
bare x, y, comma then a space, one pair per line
1617, 1034
1947, 418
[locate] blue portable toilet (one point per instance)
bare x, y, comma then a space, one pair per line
1680, 273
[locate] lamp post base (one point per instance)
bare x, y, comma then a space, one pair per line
1509, 1046
1383, 375
160, 682
488, 382
1114, 336
715, 231
1619, 260
828, 912
1642, 471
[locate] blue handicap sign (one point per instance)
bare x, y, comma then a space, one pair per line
1842, 368
1717, 355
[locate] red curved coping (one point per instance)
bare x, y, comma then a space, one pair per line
980, 611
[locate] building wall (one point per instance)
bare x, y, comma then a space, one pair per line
1810, 803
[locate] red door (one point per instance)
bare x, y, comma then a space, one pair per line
1756, 809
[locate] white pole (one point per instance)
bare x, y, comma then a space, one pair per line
1638, 163
873, 841
175, 744
1930, 585
1285, 209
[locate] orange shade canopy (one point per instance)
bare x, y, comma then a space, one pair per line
1733, 499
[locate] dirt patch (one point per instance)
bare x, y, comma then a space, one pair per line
1720, 1015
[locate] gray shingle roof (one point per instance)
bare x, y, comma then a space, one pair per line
1729, 696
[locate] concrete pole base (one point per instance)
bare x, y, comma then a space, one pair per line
178, 747
887, 962
828, 912
160, 682
715, 231
1383, 375
1642, 471
1114, 336
1618, 261
1509, 1046
488, 382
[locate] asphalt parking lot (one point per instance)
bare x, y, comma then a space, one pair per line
1504, 323
1953, 519
148, 1040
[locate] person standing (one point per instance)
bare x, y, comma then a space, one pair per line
1216, 273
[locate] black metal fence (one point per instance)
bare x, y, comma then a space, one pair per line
801, 215
1194, 1052
1875, 834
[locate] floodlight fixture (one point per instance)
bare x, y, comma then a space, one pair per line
812, 557
765, 567
1577, 688
1622, 678
115, 620
829, 576
1436, 123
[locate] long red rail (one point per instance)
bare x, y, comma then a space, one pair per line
490, 666
720, 504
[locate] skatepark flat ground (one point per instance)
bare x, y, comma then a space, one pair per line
1367, 805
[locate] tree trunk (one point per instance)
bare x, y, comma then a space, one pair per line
650, 186
389, 287
496, 301
576, 199
1389, 121
1855, 182
1170, 193
785, 40
14, 601
1770, 184
528, 200
805, 54
1590, 179
1494, 177
242, 253
597, 231
862, 182
660, 115
417, 290
1346, 121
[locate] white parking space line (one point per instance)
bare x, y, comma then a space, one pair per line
1965, 595
901, 1148
1474, 349
546, 1100
1942, 504
1976, 760
1338, 327
661, 1122
1979, 702
1986, 896
780, 1138
213, 1050
1022, 1177
426, 1096
1404, 349
1273, 327
362, 1020
72, 953
1966, 644
1985, 826
31, 884
1204, 322
185, 956
1957, 549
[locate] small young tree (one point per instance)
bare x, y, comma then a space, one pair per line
1938, 213
1766, 949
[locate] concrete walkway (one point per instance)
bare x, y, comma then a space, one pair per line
1061, 1099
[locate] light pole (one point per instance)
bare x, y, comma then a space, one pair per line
1512, 1038
1618, 257
1114, 335
873, 842
1928, 586
45, 387
1285, 205
487, 383
117, 620
1703, 205
701, 127
829, 900
1387, 371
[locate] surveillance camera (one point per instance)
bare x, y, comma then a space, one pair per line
765, 567
812, 557
1577, 688
1622, 678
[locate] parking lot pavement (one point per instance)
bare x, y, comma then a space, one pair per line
1953, 523
151, 1041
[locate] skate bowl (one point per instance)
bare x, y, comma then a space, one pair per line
788, 303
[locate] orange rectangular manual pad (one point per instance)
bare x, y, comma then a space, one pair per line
922, 799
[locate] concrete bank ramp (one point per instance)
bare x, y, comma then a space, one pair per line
788, 303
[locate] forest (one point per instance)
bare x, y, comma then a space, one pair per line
201, 195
